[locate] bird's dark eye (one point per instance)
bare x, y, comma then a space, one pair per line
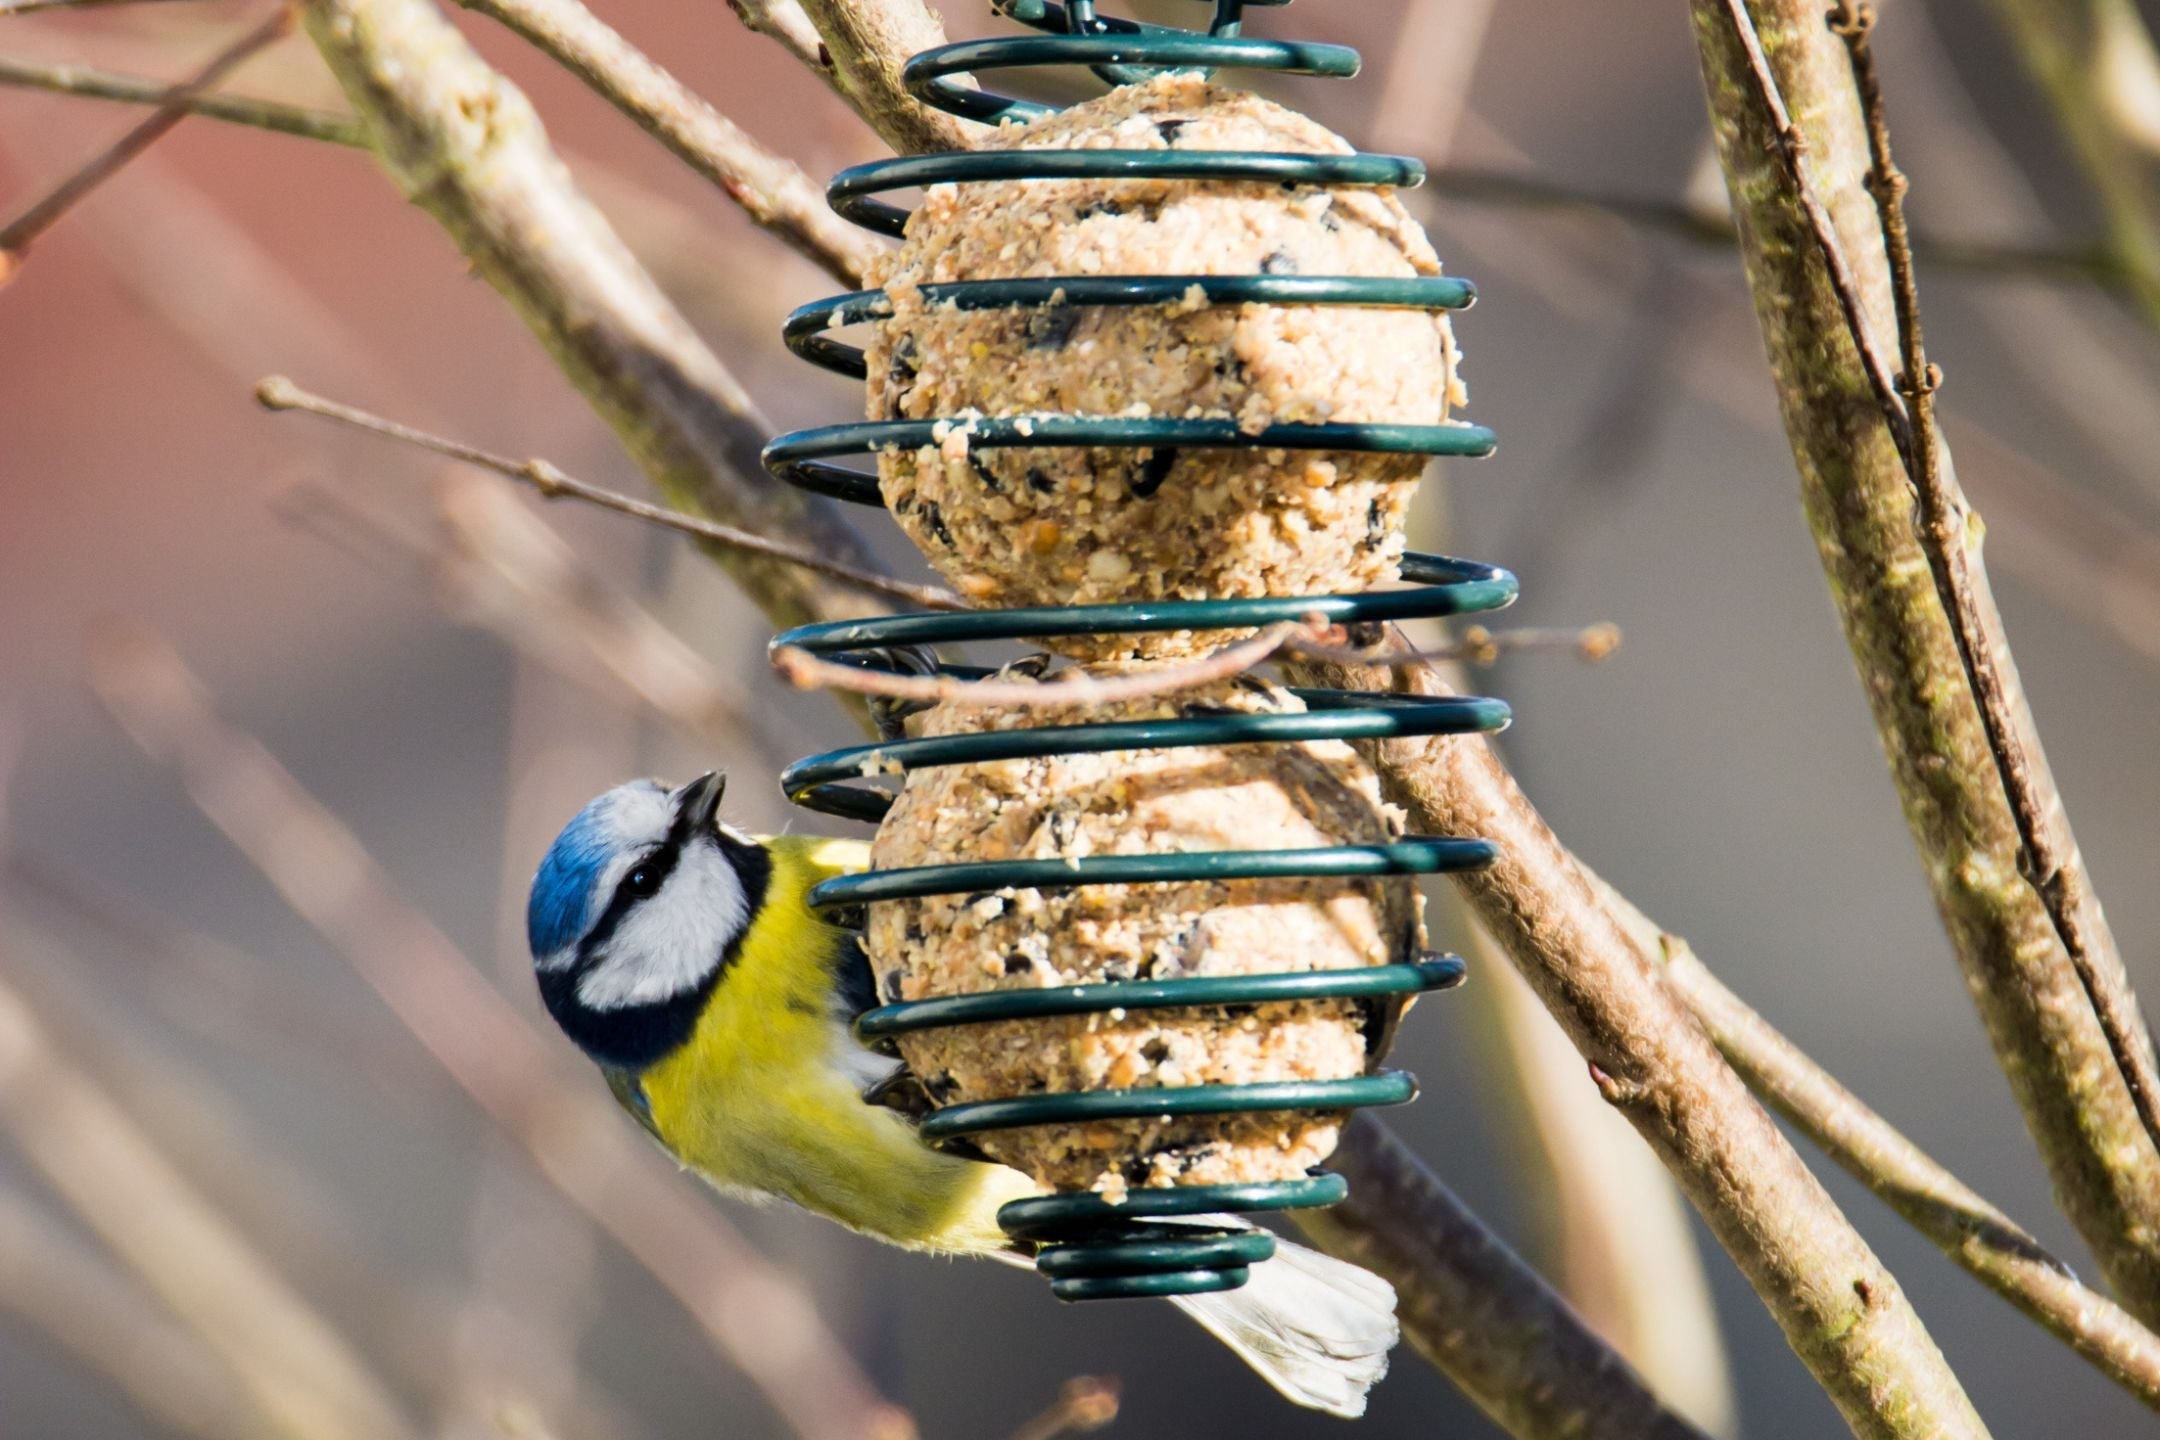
643, 881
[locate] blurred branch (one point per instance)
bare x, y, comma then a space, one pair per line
466, 146
28, 7
83, 80
298, 1370
42, 214
278, 393
1085, 1403
755, 1314
1817, 305
769, 187
866, 44
1980, 1238
91, 1313
1708, 228
1841, 1310
1628, 1257
2097, 69
1473, 1308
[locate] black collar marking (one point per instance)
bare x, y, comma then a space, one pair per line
637, 1037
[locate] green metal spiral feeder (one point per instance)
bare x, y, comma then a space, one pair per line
1019, 469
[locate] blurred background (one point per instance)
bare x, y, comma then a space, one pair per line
212, 1125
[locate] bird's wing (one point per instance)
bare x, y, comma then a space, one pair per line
631, 1096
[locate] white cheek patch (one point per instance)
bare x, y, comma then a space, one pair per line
666, 946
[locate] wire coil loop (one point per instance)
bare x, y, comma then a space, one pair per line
1156, 1241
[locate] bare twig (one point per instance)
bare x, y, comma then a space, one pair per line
1515, 188
96, 84
1474, 1309
1084, 1403
754, 1313
1073, 687
294, 1365
1947, 528
466, 146
1824, 299
1979, 1237
771, 188
1311, 640
278, 393
28, 7
1842, 1311
17, 234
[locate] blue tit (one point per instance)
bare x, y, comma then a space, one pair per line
682, 956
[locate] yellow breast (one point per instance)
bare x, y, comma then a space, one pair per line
766, 1095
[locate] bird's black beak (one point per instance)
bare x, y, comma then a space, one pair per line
699, 801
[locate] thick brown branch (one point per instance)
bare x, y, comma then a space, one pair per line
1837, 398
771, 188
467, 147
1473, 1308
1840, 1309
1947, 530
867, 42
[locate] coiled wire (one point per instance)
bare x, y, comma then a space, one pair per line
1156, 1241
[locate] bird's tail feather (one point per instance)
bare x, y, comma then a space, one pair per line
1316, 1328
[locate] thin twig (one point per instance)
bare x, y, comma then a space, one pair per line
28, 7
1476, 186
468, 148
16, 236
278, 393
769, 187
1073, 687
1946, 532
1084, 1403
1311, 640
1988, 1244
95, 84
755, 1314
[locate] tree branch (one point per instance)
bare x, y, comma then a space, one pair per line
1841, 1310
1859, 501
1979, 1237
97, 84
466, 146
769, 187
1484, 1318
17, 234
866, 44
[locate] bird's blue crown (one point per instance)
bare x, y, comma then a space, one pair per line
560, 908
